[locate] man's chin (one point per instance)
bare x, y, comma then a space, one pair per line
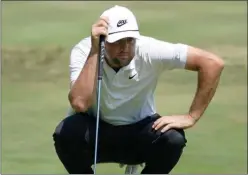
119, 66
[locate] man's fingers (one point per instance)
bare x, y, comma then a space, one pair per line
161, 124
105, 18
103, 31
156, 122
102, 22
167, 127
99, 31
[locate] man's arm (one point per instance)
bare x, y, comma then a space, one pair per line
209, 67
168, 56
82, 90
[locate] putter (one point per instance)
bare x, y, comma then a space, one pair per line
99, 82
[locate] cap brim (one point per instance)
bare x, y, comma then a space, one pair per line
127, 34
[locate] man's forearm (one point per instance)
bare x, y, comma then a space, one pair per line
208, 80
82, 92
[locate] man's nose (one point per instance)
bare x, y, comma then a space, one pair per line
123, 44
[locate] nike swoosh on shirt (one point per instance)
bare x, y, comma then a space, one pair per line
130, 77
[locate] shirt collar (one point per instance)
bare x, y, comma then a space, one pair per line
130, 66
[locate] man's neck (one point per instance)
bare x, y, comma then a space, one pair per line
116, 69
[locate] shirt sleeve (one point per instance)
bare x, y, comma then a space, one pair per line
78, 57
167, 56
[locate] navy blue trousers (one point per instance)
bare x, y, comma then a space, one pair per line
74, 141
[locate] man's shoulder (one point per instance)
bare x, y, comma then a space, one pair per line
142, 45
148, 41
143, 40
147, 45
83, 44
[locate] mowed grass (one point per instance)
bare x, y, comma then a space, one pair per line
37, 38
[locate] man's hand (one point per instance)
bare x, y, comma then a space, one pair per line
99, 28
177, 122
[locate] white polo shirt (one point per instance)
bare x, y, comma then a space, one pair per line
128, 95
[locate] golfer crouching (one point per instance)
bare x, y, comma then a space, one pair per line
130, 132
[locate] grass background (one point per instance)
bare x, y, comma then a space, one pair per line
36, 42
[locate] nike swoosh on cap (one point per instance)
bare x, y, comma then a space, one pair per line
121, 23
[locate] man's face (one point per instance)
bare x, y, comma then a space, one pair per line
121, 52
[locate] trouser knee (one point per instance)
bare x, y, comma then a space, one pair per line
171, 142
174, 138
70, 135
165, 152
71, 144
75, 127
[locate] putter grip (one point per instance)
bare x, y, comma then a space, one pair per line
101, 57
